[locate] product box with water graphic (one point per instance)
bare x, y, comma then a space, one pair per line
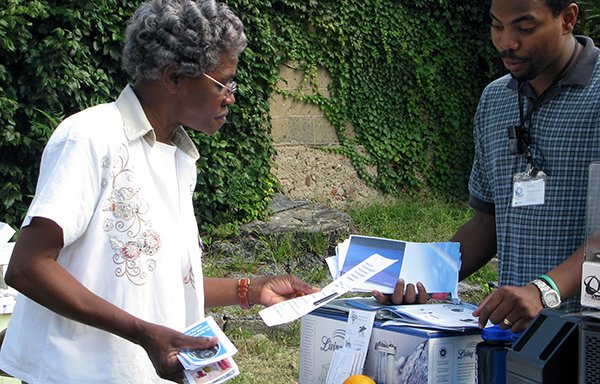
397, 354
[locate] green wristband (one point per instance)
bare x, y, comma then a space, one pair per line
550, 282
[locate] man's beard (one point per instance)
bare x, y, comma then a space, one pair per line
530, 73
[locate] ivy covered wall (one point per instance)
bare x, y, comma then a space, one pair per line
405, 75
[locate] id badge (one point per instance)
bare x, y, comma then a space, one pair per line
528, 189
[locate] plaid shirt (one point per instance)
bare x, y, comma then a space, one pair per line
532, 240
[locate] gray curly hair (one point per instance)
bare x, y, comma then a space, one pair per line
194, 34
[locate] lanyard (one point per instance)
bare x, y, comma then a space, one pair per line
520, 136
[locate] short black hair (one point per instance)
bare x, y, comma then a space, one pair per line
557, 6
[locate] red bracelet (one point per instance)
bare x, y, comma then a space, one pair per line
243, 288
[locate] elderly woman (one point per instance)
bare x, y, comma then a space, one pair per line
108, 258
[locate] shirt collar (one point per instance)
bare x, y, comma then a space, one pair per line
580, 72
136, 124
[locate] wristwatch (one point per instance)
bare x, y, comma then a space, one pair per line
550, 298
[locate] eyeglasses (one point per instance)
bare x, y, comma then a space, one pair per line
229, 88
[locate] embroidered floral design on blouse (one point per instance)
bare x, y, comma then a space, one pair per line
108, 225
132, 258
129, 209
105, 164
131, 235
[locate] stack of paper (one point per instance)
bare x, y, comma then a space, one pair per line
436, 265
444, 316
449, 316
213, 365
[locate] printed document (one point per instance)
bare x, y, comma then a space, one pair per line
350, 360
293, 309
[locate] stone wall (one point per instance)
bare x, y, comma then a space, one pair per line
300, 131
299, 123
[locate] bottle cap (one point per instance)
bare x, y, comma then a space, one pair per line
495, 333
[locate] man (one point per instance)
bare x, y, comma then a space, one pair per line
536, 131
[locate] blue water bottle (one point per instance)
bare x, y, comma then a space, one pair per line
491, 355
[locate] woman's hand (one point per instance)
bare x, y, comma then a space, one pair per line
274, 289
162, 344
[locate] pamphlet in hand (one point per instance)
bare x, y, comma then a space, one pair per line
214, 373
436, 265
199, 358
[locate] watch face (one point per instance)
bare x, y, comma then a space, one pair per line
551, 299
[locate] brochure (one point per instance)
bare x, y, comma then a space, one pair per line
199, 358
350, 359
441, 316
457, 316
436, 265
214, 373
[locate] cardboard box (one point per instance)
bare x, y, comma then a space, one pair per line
396, 354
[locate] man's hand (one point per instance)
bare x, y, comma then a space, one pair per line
510, 307
402, 296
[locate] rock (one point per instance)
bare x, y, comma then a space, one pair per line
291, 219
300, 217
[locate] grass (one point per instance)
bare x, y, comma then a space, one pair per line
280, 249
414, 219
272, 356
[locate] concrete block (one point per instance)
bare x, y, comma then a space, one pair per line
304, 130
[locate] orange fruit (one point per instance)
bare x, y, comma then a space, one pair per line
359, 379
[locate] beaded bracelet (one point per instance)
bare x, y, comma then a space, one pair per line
550, 282
243, 288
